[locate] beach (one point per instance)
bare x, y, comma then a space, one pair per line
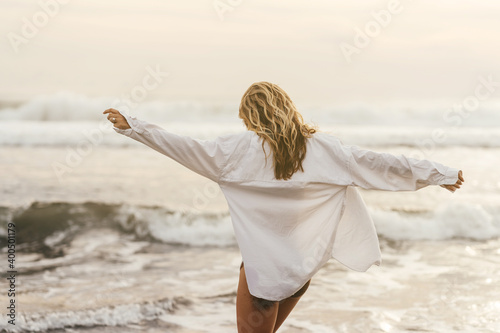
99, 233
112, 236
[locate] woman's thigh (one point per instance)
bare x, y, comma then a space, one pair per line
254, 314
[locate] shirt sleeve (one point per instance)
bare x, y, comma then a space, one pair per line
205, 157
382, 171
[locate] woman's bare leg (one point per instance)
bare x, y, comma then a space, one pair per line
258, 315
286, 306
253, 314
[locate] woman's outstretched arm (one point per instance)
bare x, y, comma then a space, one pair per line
204, 157
382, 171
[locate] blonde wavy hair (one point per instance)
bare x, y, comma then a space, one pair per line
267, 110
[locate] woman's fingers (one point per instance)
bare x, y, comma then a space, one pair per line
451, 188
445, 186
460, 176
114, 116
112, 111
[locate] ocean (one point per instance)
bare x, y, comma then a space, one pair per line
111, 236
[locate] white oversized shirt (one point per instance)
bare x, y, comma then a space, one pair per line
288, 229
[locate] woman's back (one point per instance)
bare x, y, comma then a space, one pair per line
247, 162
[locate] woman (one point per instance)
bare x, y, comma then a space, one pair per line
294, 214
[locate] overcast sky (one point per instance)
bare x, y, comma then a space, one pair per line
429, 50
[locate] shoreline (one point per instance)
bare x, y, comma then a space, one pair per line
421, 285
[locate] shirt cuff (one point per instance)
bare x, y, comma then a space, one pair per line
450, 177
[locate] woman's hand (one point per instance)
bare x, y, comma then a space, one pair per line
456, 186
117, 119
